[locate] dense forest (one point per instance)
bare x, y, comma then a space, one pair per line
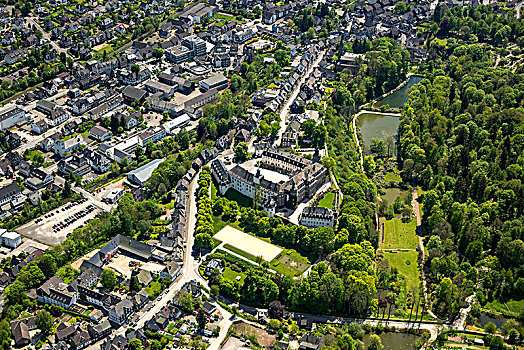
462, 139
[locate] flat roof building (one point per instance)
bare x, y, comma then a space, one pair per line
141, 175
217, 81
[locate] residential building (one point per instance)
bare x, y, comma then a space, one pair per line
312, 217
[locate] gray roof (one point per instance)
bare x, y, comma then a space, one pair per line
143, 173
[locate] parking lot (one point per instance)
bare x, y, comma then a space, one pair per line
54, 227
125, 264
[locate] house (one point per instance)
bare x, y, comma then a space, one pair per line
57, 116
55, 291
120, 312
131, 120
208, 308
20, 330
214, 264
39, 127
312, 217
171, 271
68, 146
100, 133
217, 81
309, 342
132, 94
140, 299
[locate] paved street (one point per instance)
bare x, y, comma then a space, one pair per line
285, 109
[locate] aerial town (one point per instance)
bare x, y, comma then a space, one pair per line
248, 174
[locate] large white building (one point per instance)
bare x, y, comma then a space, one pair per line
11, 115
305, 179
9, 239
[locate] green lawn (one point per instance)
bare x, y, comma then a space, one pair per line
232, 275
400, 235
400, 260
224, 17
234, 195
392, 177
327, 200
243, 253
31, 154
154, 289
510, 308
84, 135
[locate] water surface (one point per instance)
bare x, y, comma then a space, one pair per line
373, 125
400, 97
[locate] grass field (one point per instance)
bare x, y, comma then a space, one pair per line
30, 155
510, 308
327, 200
238, 197
154, 289
392, 177
399, 235
400, 260
232, 275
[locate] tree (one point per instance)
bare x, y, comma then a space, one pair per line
185, 300
158, 53
276, 310
115, 169
328, 162
490, 327
375, 343
44, 321
241, 151
47, 265
109, 279
135, 68
496, 343
201, 319
135, 344
134, 285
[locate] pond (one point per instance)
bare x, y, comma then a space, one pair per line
380, 126
400, 97
395, 341
484, 319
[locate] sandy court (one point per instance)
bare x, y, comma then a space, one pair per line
248, 243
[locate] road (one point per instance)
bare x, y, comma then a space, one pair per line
285, 109
189, 272
33, 141
45, 35
91, 198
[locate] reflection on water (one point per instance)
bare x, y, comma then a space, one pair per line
485, 319
378, 126
395, 341
400, 97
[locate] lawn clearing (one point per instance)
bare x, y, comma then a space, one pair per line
233, 275
213, 191
510, 308
406, 264
327, 200
400, 235
248, 243
154, 289
242, 200
392, 177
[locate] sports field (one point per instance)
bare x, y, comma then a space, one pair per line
248, 243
